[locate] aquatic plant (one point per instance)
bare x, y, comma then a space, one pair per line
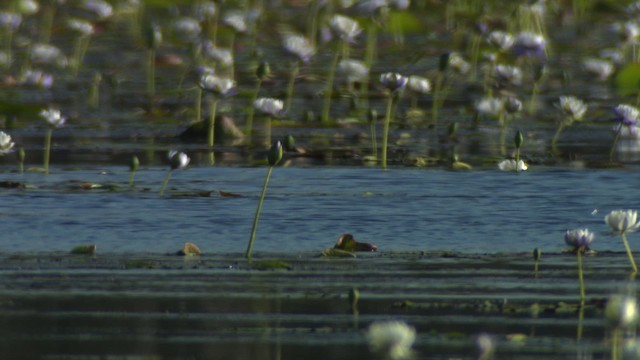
394, 83
600, 68
627, 117
272, 108
303, 50
274, 157
153, 41
53, 118
621, 313
262, 72
579, 240
217, 87
574, 110
133, 167
623, 222
6, 145
417, 85
177, 160
346, 29
84, 29
391, 339
537, 255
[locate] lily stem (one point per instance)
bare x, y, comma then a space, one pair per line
580, 275
626, 246
211, 135
385, 134
165, 182
47, 150
328, 92
257, 216
615, 142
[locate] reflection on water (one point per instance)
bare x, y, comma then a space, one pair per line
483, 211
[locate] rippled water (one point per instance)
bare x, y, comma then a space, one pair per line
307, 209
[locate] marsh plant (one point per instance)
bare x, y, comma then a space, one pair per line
537, 255
621, 313
391, 339
574, 110
134, 164
262, 72
627, 118
516, 164
54, 119
623, 222
177, 160
274, 157
271, 108
394, 84
579, 241
217, 87
302, 49
6, 144
153, 37
83, 29
346, 29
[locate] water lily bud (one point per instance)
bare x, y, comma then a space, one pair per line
134, 164
275, 153
263, 70
372, 115
153, 36
178, 160
443, 62
537, 254
354, 296
518, 139
452, 129
289, 142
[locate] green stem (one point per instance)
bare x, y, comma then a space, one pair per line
47, 149
556, 136
212, 126
614, 344
436, 98
133, 174
626, 246
580, 321
151, 72
385, 134
329, 90
295, 67
252, 109
257, 216
532, 101
615, 142
580, 275
165, 182
198, 103
374, 139
372, 40
535, 269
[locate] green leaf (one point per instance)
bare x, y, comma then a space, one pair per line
627, 80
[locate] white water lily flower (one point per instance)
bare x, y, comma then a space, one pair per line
28, 7
353, 70
100, 8
507, 75
9, 20
345, 27
602, 69
204, 10
178, 160
269, 106
216, 85
419, 84
458, 64
83, 27
573, 107
299, 46
236, 20
490, 106
393, 81
220, 55
500, 40
510, 165
6, 145
622, 311
622, 221
53, 117
48, 55
391, 339
188, 29
529, 44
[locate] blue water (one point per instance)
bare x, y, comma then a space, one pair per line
307, 209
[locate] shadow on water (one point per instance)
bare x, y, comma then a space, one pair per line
147, 306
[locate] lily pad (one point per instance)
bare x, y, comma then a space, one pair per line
338, 253
89, 249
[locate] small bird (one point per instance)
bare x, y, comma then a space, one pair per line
348, 243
